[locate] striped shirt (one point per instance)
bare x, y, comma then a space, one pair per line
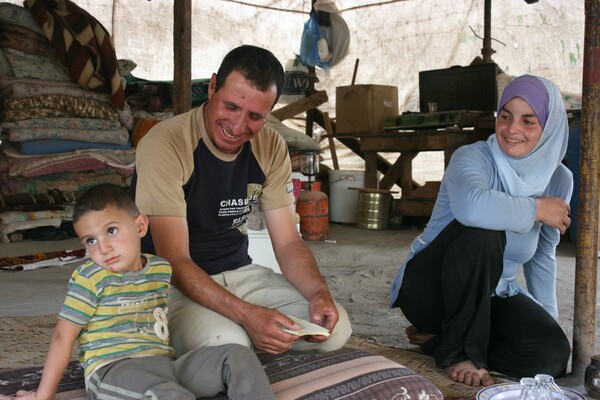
122, 315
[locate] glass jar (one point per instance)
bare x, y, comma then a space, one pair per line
592, 377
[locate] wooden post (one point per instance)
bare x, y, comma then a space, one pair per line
329, 130
310, 114
355, 71
182, 54
586, 264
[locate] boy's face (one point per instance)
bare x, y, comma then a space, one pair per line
112, 238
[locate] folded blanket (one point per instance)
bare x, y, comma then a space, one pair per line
118, 136
25, 34
62, 105
30, 87
118, 161
62, 182
15, 88
82, 43
25, 40
61, 123
17, 15
33, 66
7, 229
5, 67
10, 217
50, 146
39, 201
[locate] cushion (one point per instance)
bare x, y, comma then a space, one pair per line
295, 140
348, 373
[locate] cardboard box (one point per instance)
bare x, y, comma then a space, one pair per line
364, 108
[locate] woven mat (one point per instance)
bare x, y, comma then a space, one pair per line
25, 341
425, 366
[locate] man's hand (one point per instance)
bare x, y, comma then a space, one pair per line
322, 312
263, 327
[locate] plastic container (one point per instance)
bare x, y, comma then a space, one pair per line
343, 203
313, 208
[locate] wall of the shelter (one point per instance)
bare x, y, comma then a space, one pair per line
393, 40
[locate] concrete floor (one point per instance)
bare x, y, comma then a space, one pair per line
358, 264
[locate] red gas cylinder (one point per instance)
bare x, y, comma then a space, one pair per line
313, 208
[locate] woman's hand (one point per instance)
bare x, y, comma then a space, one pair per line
553, 212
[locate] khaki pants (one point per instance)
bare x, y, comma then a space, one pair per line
191, 325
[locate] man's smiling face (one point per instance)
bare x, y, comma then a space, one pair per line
236, 112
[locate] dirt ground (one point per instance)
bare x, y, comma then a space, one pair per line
361, 264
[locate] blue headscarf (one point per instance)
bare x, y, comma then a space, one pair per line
529, 175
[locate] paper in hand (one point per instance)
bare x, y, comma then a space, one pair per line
307, 328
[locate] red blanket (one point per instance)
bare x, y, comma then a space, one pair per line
82, 43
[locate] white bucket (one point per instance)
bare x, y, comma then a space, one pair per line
343, 202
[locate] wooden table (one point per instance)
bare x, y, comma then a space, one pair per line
415, 200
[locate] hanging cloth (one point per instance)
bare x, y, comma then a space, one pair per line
82, 44
336, 33
325, 38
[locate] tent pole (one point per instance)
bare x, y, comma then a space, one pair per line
182, 56
586, 264
487, 50
312, 78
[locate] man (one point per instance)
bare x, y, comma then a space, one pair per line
197, 177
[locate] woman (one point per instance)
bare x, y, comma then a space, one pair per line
502, 203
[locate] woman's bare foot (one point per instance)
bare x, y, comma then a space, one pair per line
417, 337
466, 372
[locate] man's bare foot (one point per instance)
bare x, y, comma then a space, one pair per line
466, 372
417, 337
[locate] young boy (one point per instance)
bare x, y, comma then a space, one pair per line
116, 309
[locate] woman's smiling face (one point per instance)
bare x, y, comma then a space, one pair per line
518, 129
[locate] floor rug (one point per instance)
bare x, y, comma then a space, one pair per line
425, 366
41, 260
25, 342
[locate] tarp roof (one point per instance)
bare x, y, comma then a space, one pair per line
394, 39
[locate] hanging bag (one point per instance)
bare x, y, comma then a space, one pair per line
309, 44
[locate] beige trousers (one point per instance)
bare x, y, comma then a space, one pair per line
192, 325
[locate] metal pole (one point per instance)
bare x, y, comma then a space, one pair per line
586, 264
487, 50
